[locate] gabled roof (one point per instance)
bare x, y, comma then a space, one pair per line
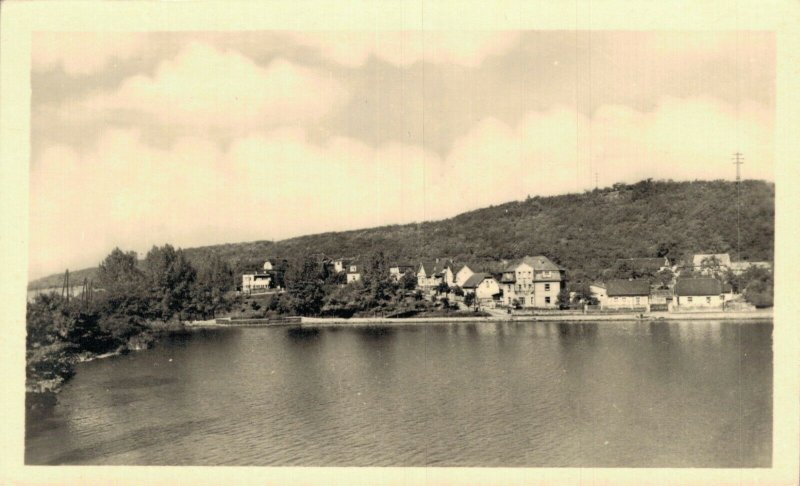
620, 288
474, 280
538, 263
461, 266
434, 268
698, 286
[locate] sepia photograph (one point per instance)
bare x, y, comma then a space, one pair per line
402, 248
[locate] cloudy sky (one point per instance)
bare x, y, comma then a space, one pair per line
204, 138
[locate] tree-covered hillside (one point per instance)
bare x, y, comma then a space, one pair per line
584, 233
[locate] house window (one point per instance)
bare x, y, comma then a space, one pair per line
547, 286
547, 300
688, 299
637, 300
708, 300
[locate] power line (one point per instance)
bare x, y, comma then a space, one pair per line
738, 160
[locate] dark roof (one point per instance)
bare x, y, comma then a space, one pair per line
402, 265
698, 286
474, 280
538, 263
627, 287
435, 268
357, 270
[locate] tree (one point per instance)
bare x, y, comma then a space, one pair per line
377, 279
563, 298
169, 278
469, 299
458, 291
664, 278
304, 287
408, 281
118, 271
214, 280
123, 285
711, 266
442, 288
758, 288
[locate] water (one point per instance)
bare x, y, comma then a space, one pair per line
694, 394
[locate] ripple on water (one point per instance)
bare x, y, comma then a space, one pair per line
516, 394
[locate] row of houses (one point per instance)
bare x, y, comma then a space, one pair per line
696, 284
536, 281
687, 293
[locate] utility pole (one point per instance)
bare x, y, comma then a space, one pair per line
65, 286
738, 160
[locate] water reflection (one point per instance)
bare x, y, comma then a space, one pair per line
300, 334
639, 394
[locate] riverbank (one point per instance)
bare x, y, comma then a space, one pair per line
760, 316
52, 366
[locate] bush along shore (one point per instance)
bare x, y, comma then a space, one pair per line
63, 333
139, 301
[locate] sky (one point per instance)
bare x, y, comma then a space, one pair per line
198, 138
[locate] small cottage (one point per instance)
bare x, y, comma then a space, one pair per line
627, 294
698, 293
462, 274
485, 288
254, 282
353, 272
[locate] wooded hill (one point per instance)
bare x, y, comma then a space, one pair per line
584, 233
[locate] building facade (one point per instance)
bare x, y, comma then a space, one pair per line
698, 293
254, 282
463, 274
485, 288
627, 294
353, 273
532, 282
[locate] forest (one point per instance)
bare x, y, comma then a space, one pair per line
583, 232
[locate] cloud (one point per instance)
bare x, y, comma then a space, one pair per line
207, 87
83, 53
279, 183
405, 48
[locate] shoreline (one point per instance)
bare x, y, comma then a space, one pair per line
759, 316
750, 316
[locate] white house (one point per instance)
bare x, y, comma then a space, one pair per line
448, 276
431, 274
463, 274
532, 281
698, 293
598, 291
703, 262
268, 265
340, 264
484, 286
627, 294
353, 272
397, 270
253, 282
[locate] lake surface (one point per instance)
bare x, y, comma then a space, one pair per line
540, 394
